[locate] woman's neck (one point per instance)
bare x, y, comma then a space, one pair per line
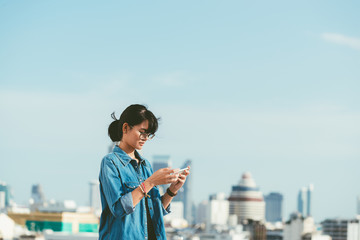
128, 149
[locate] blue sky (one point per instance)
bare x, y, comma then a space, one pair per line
269, 87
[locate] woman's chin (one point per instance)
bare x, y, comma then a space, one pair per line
139, 147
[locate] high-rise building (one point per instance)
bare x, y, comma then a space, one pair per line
246, 201
95, 202
310, 190
201, 212
217, 211
302, 201
305, 201
298, 226
336, 228
177, 212
257, 229
37, 199
185, 195
5, 196
273, 203
193, 212
353, 231
37, 194
161, 161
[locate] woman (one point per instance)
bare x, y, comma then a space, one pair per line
132, 207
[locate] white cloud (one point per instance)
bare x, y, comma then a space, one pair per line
342, 40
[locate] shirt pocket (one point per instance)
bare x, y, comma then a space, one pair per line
155, 193
130, 186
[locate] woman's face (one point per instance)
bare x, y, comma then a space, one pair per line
132, 135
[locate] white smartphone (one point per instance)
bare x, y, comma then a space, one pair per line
181, 170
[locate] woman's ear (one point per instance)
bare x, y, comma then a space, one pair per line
125, 127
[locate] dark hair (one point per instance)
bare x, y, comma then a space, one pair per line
132, 115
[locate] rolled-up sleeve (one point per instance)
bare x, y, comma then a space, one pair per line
167, 210
119, 202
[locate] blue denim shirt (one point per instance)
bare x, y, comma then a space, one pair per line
119, 219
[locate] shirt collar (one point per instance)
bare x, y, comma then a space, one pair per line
126, 158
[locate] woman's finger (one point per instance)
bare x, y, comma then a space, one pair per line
173, 179
168, 170
182, 177
186, 172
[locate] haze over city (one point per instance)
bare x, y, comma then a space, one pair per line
268, 87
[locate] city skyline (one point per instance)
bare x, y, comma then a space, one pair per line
287, 215
308, 190
265, 87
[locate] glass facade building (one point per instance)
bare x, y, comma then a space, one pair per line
273, 207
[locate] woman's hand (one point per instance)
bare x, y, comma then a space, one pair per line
175, 186
162, 176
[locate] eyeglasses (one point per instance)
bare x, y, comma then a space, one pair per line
144, 135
